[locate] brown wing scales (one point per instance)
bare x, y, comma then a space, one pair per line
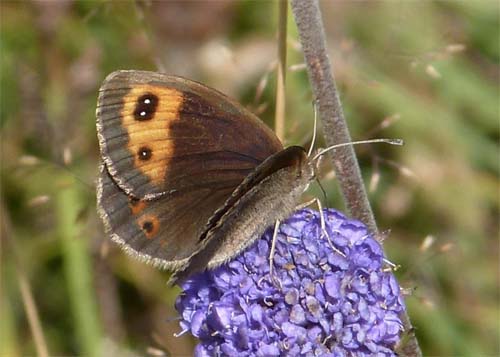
163, 231
174, 152
154, 129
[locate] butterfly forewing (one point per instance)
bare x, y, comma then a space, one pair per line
161, 134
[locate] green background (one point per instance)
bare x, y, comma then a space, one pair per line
427, 69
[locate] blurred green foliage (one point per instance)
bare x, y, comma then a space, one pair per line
430, 69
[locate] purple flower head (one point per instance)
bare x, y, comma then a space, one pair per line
319, 301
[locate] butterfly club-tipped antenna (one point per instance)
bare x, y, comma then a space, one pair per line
320, 152
389, 141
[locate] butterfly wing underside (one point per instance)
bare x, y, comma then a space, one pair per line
173, 151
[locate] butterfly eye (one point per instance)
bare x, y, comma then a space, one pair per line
144, 153
146, 107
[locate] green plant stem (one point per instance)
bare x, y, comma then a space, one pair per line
78, 269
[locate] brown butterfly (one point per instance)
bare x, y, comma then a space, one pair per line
189, 178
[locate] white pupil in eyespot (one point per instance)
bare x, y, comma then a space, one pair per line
147, 101
143, 114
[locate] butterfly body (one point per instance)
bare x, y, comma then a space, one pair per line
189, 177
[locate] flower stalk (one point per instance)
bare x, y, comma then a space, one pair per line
307, 16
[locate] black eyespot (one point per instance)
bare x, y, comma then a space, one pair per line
148, 226
144, 153
146, 107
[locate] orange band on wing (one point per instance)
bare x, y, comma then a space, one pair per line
146, 113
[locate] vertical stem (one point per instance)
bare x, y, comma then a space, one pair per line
312, 37
281, 72
78, 268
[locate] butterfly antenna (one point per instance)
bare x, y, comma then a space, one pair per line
313, 141
371, 141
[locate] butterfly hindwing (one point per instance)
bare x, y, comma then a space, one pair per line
163, 231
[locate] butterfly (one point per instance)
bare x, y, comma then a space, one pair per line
189, 177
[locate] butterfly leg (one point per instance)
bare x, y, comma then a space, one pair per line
322, 222
390, 266
273, 247
381, 236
